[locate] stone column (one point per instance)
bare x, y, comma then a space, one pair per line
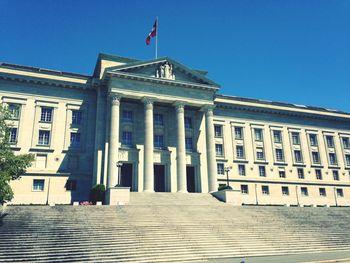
148, 172
181, 148
211, 155
113, 141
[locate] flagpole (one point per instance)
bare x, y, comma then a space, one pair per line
156, 37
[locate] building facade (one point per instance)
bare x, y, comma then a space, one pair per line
158, 126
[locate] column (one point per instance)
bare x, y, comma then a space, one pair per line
181, 148
113, 142
148, 172
211, 156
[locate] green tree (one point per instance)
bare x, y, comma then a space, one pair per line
11, 166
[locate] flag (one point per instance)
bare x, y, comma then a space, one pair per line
153, 33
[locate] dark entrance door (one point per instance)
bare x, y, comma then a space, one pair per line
159, 178
191, 187
126, 175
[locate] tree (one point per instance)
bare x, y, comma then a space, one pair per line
11, 166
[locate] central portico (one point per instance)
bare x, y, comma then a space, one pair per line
155, 118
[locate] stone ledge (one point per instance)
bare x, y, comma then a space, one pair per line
117, 195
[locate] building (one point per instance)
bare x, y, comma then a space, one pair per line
164, 127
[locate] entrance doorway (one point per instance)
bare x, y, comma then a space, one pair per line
126, 175
159, 178
191, 185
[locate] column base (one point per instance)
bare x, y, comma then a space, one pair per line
148, 191
183, 191
117, 195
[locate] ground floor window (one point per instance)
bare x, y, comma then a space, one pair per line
38, 185
244, 189
323, 192
285, 190
265, 190
340, 192
304, 191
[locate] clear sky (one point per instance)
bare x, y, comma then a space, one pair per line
294, 51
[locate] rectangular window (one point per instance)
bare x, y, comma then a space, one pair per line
282, 173
44, 137
315, 157
188, 144
347, 159
127, 116
318, 174
158, 119
127, 138
277, 136
262, 171
258, 134
304, 191
218, 131
279, 155
340, 192
313, 139
346, 143
265, 190
297, 156
322, 192
239, 152
335, 175
71, 185
76, 117
158, 141
188, 122
301, 173
13, 135
332, 159
14, 110
238, 133
241, 169
330, 141
38, 185
220, 169
295, 138
75, 139
260, 154
244, 189
219, 150
285, 190
46, 114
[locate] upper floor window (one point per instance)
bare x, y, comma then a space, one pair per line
14, 110
75, 139
313, 139
188, 143
218, 131
258, 134
318, 174
127, 116
336, 175
315, 157
241, 169
76, 117
347, 159
297, 156
44, 137
238, 133
332, 159
346, 143
239, 152
265, 190
158, 119
330, 141
127, 138
219, 150
262, 171
158, 141
46, 114
13, 135
282, 173
279, 155
304, 191
220, 168
260, 154
301, 173
188, 122
295, 138
277, 136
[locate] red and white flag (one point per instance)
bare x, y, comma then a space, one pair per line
153, 33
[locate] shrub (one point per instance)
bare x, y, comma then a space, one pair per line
224, 187
97, 193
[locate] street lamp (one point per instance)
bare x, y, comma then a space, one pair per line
119, 166
227, 169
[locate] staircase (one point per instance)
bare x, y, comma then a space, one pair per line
165, 227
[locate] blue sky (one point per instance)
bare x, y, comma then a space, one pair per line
294, 51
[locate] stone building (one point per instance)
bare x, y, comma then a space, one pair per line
164, 127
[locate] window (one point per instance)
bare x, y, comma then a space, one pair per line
13, 135
265, 190
38, 185
282, 173
335, 175
71, 185
313, 139
346, 143
304, 191
340, 192
188, 144
74, 139
332, 159
258, 134
347, 159
76, 117
14, 110
301, 173
239, 152
218, 131
46, 114
219, 150
260, 154
330, 141
315, 157
262, 171
188, 122
279, 155
297, 156
44, 137
322, 192
127, 116
295, 138
241, 169
220, 169
158, 119
318, 174
127, 138
159, 141
238, 133
285, 190
277, 136
244, 189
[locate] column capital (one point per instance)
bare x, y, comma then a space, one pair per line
148, 102
115, 98
179, 106
208, 109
